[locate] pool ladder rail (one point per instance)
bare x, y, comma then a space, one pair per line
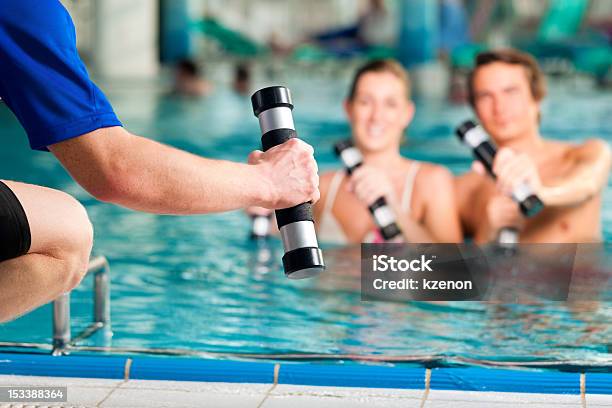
62, 340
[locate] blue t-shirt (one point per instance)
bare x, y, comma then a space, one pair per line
42, 78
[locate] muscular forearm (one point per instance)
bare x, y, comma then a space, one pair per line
176, 182
145, 175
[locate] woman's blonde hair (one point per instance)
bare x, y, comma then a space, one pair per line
383, 65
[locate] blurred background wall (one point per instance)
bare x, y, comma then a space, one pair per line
436, 39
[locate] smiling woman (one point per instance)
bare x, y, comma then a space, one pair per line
419, 194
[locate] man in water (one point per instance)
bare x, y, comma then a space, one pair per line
505, 90
45, 235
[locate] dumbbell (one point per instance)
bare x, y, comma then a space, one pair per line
303, 257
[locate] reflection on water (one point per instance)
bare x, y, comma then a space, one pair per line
214, 301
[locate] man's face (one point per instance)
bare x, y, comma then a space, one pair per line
503, 101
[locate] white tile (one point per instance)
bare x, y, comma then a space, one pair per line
25, 380
352, 392
136, 398
440, 398
87, 396
554, 405
194, 386
466, 404
298, 401
599, 400
490, 404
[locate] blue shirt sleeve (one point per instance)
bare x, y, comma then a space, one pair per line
42, 78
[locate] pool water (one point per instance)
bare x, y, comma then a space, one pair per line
194, 282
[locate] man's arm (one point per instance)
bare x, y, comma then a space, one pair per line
118, 167
587, 177
588, 174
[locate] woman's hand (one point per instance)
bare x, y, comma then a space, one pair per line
369, 184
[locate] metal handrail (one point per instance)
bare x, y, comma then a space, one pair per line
62, 339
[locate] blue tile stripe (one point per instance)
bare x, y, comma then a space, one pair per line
182, 369
501, 380
599, 383
314, 374
352, 375
74, 366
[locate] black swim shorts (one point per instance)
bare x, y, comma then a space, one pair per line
15, 239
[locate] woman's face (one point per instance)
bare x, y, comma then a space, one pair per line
379, 112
